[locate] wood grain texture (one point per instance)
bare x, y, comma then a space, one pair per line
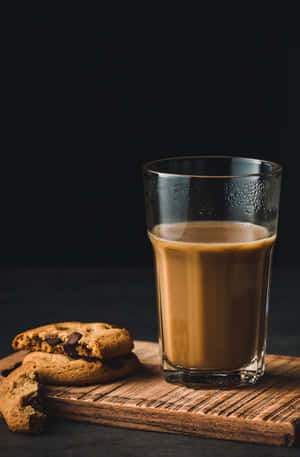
267, 413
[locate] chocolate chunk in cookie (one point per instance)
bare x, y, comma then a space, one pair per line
53, 340
70, 344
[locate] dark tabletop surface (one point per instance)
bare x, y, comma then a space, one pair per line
124, 296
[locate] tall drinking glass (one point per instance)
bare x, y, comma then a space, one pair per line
212, 222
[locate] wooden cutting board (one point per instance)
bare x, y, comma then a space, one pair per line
267, 413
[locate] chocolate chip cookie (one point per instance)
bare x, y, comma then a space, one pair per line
60, 369
20, 401
77, 339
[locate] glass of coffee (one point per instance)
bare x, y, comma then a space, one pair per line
212, 222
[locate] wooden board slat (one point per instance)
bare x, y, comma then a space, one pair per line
268, 412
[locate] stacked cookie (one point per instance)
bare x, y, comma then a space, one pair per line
68, 353
76, 353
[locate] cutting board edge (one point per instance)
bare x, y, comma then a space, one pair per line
167, 421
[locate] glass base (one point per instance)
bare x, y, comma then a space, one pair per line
203, 379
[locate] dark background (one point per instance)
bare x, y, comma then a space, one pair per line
88, 96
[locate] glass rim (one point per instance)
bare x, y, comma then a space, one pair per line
277, 168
